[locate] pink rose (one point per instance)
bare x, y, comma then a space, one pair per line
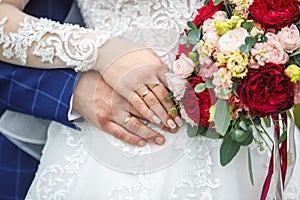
221, 16
289, 38
207, 71
232, 40
271, 51
176, 84
208, 26
211, 37
183, 66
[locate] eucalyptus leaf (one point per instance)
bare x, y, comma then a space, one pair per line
217, 2
250, 170
245, 49
211, 133
191, 25
182, 39
248, 140
200, 87
283, 135
250, 41
222, 116
209, 84
224, 92
194, 35
248, 25
256, 121
205, 2
295, 53
228, 150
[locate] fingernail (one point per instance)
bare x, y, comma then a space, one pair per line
141, 143
159, 140
178, 121
171, 124
156, 119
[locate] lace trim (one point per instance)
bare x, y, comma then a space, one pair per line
66, 42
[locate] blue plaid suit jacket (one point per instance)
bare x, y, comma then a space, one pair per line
42, 93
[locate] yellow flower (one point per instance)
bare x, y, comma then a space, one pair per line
293, 71
212, 111
237, 63
221, 59
229, 24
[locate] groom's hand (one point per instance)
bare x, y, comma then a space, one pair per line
110, 112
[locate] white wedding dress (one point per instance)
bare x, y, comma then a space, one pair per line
91, 164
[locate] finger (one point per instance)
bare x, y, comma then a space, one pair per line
143, 109
154, 104
138, 128
166, 101
121, 133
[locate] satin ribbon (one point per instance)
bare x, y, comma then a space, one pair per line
278, 162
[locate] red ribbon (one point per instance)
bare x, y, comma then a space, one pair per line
283, 158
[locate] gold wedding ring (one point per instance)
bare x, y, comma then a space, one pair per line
126, 120
153, 86
145, 93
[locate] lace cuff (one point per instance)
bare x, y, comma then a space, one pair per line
76, 47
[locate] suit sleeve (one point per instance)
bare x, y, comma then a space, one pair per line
42, 93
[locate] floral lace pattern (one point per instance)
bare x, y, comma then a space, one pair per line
66, 43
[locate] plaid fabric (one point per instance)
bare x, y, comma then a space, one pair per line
16, 171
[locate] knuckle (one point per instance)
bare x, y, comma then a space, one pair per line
153, 100
119, 134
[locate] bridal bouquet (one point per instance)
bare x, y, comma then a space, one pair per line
238, 65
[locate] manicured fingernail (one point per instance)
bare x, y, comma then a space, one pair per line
178, 121
171, 124
159, 140
156, 119
141, 143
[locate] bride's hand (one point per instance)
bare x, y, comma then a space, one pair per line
138, 74
110, 112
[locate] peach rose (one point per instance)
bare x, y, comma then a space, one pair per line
183, 67
232, 40
176, 84
221, 16
271, 51
289, 38
208, 26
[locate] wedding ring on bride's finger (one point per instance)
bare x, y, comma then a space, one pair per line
145, 93
152, 86
126, 120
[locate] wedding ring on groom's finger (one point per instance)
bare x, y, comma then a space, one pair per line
126, 120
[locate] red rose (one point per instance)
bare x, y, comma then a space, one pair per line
206, 12
267, 90
275, 14
196, 105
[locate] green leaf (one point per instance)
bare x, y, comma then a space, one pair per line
211, 133
209, 84
205, 2
296, 111
245, 49
200, 87
234, 87
243, 125
228, 10
239, 135
224, 92
256, 121
250, 167
182, 39
248, 140
248, 25
193, 131
228, 150
283, 135
222, 116
194, 35
267, 121
295, 53
191, 25
217, 2
250, 41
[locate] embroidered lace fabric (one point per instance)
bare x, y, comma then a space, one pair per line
76, 47
92, 164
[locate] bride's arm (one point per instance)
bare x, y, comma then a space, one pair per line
42, 43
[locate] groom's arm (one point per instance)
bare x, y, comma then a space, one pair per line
42, 93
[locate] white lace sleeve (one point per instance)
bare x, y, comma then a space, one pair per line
45, 43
